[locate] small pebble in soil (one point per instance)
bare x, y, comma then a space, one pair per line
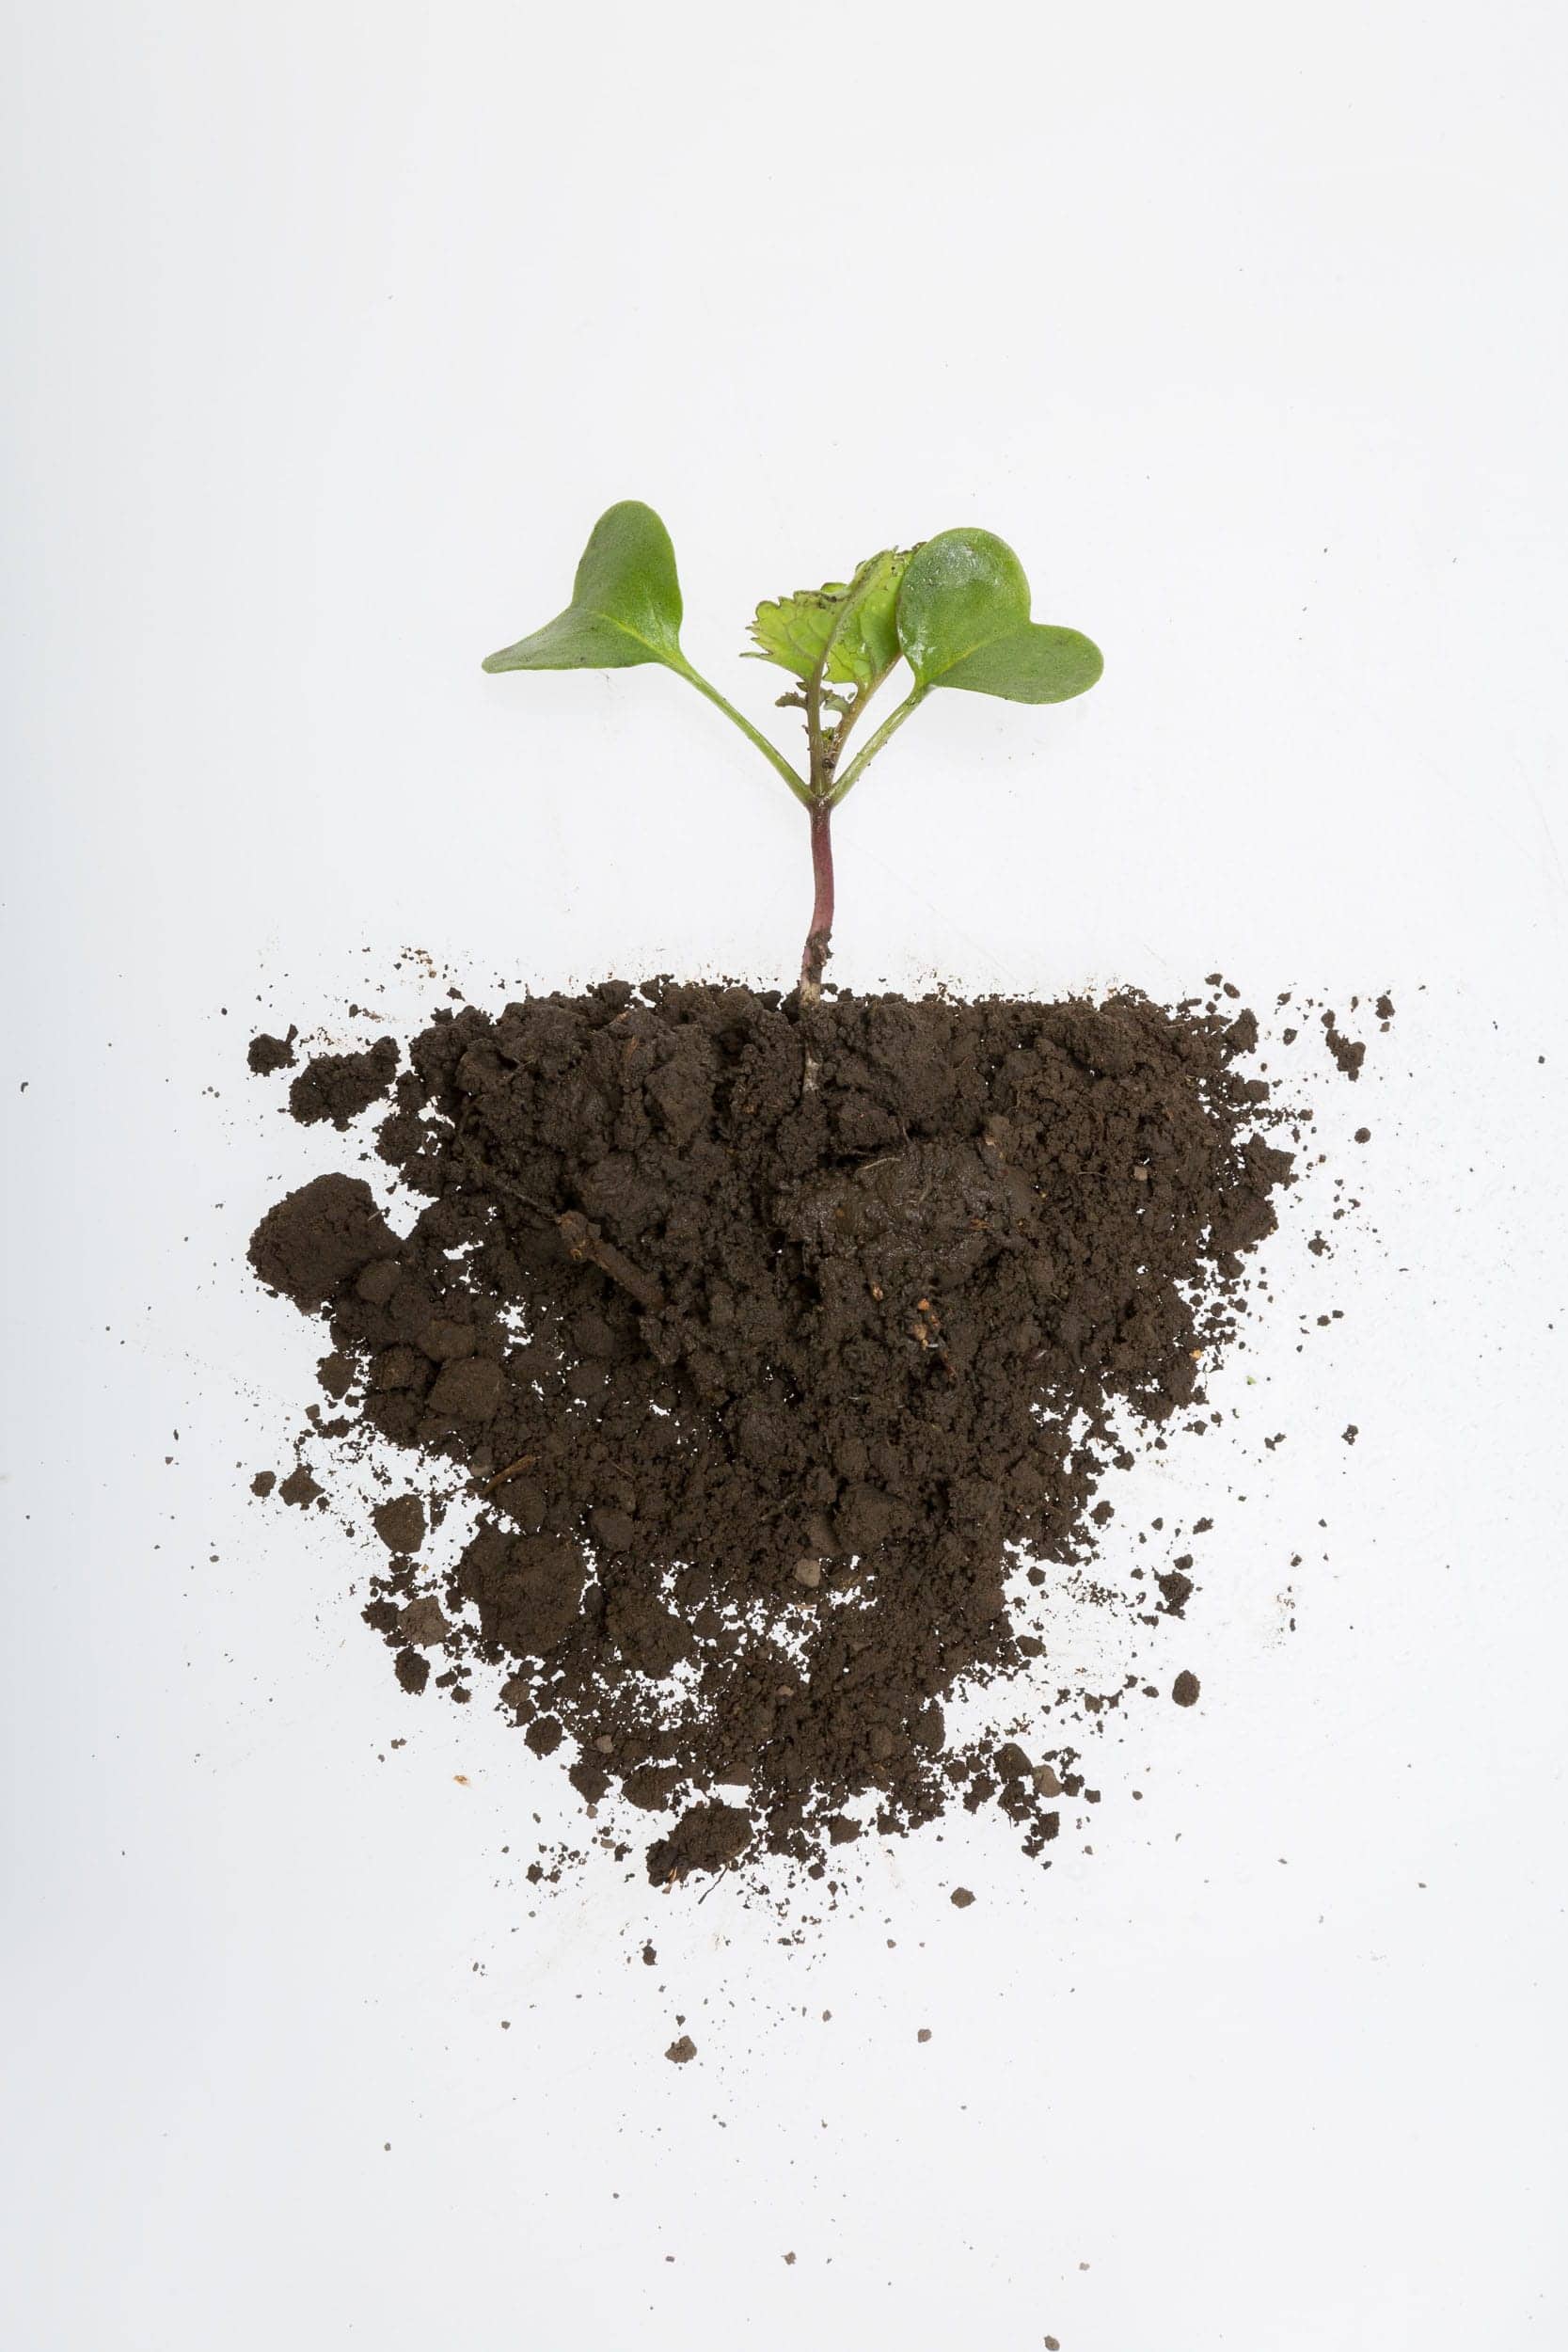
962, 1899
1184, 1690
925, 2034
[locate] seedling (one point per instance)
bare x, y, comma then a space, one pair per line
954, 608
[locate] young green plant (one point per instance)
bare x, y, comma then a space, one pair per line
954, 610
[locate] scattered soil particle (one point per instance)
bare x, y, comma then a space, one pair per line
264, 1483
1350, 1433
1348, 1052
1385, 1007
960, 1899
267, 1054
1176, 1591
1185, 1688
400, 1523
340, 1086
300, 1488
681, 2053
1363, 1134
707, 1837
924, 2034
759, 1388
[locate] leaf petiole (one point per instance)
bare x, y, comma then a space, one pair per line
868, 751
770, 752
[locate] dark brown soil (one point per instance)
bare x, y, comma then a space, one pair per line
340, 1086
1350, 1052
267, 1053
765, 1389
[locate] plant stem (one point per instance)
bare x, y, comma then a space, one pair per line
889, 727
819, 762
861, 696
770, 752
817, 948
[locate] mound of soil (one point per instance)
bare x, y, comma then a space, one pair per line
769, 1369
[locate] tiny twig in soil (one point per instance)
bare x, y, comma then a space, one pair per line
584, 1241
523, 1462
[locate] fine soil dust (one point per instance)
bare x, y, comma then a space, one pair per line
765, 1389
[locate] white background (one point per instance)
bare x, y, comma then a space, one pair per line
329, 330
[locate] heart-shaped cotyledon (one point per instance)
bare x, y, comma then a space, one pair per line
963, 621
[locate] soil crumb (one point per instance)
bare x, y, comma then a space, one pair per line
770, 1404
340, 1086
681, 2053
267, 1054
1185, 1688
400, 1523
1176, 1590
1349, 1053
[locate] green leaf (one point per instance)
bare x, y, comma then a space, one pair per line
870, 635
854, 623
963, 621
792, 632
626, 603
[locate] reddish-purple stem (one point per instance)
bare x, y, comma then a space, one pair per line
816, 955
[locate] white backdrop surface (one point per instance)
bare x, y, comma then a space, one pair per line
329, 329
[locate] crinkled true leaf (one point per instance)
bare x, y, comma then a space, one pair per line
853, 621
963, 621
626, 603
793, 631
